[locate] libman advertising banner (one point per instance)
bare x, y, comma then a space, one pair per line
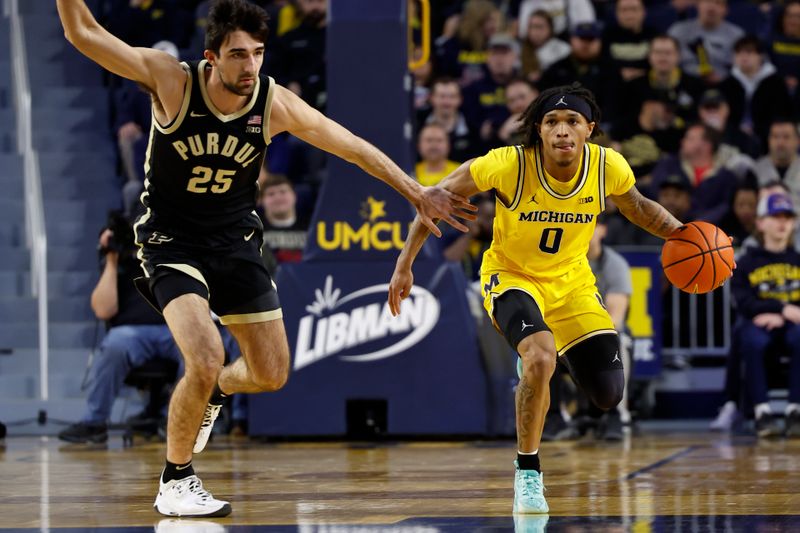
346, 346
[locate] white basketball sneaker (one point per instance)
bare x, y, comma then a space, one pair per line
211, 414
187, 497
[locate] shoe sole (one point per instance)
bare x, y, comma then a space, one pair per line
225, 510
516, 510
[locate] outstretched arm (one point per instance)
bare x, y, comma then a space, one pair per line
157, 71
460, 182
646, 213
292, 114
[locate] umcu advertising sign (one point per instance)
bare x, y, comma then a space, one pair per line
346, 346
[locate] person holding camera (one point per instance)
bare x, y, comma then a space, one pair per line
136, 333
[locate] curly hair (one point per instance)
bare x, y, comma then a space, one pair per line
228, 16
532, 117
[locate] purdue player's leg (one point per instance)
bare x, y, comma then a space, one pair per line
264, 365
244, 296
183, 298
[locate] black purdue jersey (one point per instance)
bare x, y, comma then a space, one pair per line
202, 169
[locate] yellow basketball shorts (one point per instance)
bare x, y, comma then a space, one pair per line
570, 305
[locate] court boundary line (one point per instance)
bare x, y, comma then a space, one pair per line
662, 462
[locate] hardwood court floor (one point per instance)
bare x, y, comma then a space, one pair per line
655, 482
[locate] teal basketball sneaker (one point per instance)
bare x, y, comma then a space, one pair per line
529, 492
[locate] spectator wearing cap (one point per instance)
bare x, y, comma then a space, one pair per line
485, 99
784, 49
664, 80
586, 65
707, 41
464, 55
782, 163
766, 290
714, 111
756, 93
698, 163
564, 13
433, 146
445, 110
540, 47
627, 42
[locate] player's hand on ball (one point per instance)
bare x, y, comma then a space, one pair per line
399, 288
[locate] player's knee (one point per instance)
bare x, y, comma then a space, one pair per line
538, 359
205, 371
607, 391
270, 379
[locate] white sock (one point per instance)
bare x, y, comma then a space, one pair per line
534, 452
792, 408
762, 409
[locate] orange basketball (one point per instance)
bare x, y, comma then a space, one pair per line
698, 257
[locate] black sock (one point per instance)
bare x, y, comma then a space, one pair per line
217, 397
176, 471
529, 462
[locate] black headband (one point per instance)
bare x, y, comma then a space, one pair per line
567, 101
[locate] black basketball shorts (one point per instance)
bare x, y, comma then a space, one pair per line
235, 281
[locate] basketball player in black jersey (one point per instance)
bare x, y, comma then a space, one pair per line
200, 237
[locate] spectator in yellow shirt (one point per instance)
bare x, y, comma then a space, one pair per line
433, 145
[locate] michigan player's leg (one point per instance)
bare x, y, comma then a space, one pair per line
596, 366
184, 302
520, 320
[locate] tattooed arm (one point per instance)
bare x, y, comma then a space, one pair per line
646, 213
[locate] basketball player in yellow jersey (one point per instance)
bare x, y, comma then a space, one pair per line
537, 284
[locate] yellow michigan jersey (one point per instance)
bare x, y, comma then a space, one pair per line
542, 230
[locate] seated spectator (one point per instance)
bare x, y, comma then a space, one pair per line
137, 334
285, 229
627, 42
564, 13
446, 111
664, 80
297, 59
765, 289
540, 47
698, 162
784, 49
519, 95
782, 163
756, 93
463, 55
433, 146
714, 111
485, 99
740, 222
707, 41
586, 65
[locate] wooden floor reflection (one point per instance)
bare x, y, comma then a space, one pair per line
652, 482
